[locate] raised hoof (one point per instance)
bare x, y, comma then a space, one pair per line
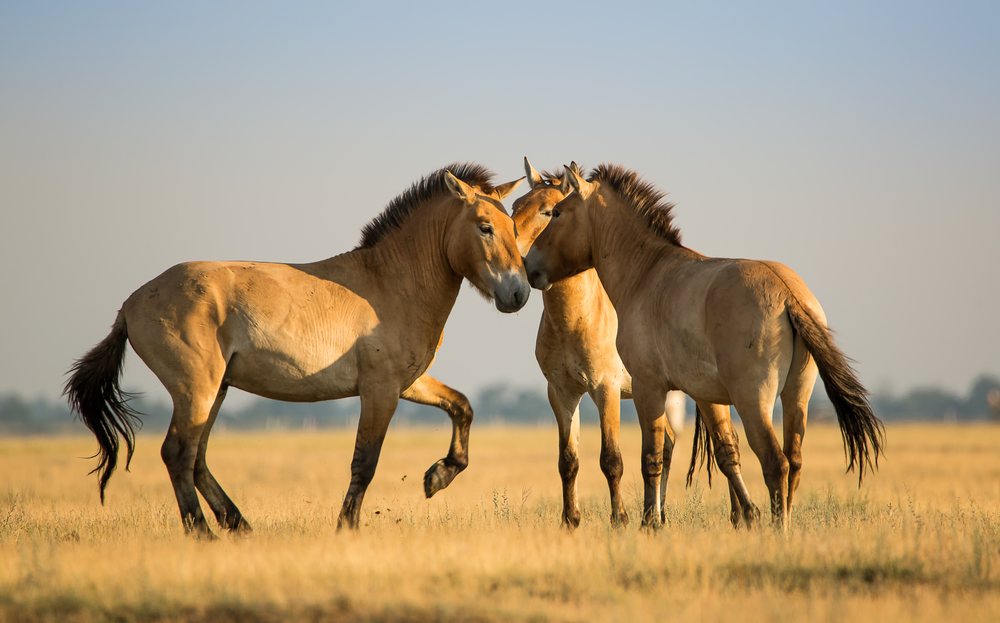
436, 478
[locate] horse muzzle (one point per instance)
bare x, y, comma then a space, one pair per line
511, 293
538, 277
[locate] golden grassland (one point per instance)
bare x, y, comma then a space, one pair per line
919, 541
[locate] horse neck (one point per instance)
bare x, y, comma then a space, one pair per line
412, 265
625, 250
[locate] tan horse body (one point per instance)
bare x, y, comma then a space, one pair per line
723, 331
576, 352
365, 323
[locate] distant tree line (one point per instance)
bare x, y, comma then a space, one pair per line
496, 404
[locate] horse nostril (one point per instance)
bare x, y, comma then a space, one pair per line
521, 297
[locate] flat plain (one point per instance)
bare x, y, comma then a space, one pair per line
918, 541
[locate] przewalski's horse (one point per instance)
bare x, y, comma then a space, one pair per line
724, 331
365, 323
576, 351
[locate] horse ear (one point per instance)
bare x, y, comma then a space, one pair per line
573, 165
577, 183
534, 179
503, 190
460, 189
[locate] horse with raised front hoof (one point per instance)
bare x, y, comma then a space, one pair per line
724, 331
576, 352
365, 323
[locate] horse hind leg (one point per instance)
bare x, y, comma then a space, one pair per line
673, 407
608, 403
756, 416
179, 453
226, 513
427, 390
727, 457
795, 409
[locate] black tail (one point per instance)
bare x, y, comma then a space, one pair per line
864, 434
702, 448
94, 392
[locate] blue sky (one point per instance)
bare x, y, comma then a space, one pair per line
856, 142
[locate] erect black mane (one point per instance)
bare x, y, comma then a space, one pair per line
643, 197
400, 208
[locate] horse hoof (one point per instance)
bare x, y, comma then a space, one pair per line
620, 520
241, 530
436, 478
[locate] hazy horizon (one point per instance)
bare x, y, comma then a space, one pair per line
858, 144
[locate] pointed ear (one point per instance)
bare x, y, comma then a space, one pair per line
534, 179
503, 190
573, 165
460, 189
576, 183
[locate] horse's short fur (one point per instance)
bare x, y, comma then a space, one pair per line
366, 323
724, 331
576, 351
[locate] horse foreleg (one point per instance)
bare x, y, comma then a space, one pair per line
608, 403
565, 406
649, 405
669, 438
377, 408
226, 513
429, 391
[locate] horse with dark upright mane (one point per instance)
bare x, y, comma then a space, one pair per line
575, 349
365, 323
724, 331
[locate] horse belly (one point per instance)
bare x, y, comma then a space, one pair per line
294, 377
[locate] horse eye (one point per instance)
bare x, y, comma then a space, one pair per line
546, 212
486, 228
555, 213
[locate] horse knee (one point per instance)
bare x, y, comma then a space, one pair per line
611, 464
569, 465
652, 465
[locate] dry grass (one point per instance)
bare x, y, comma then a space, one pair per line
920, 541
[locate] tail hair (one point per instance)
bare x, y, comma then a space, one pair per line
94, 392
863, 432
701, 449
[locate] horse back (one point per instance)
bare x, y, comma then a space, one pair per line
273, 329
